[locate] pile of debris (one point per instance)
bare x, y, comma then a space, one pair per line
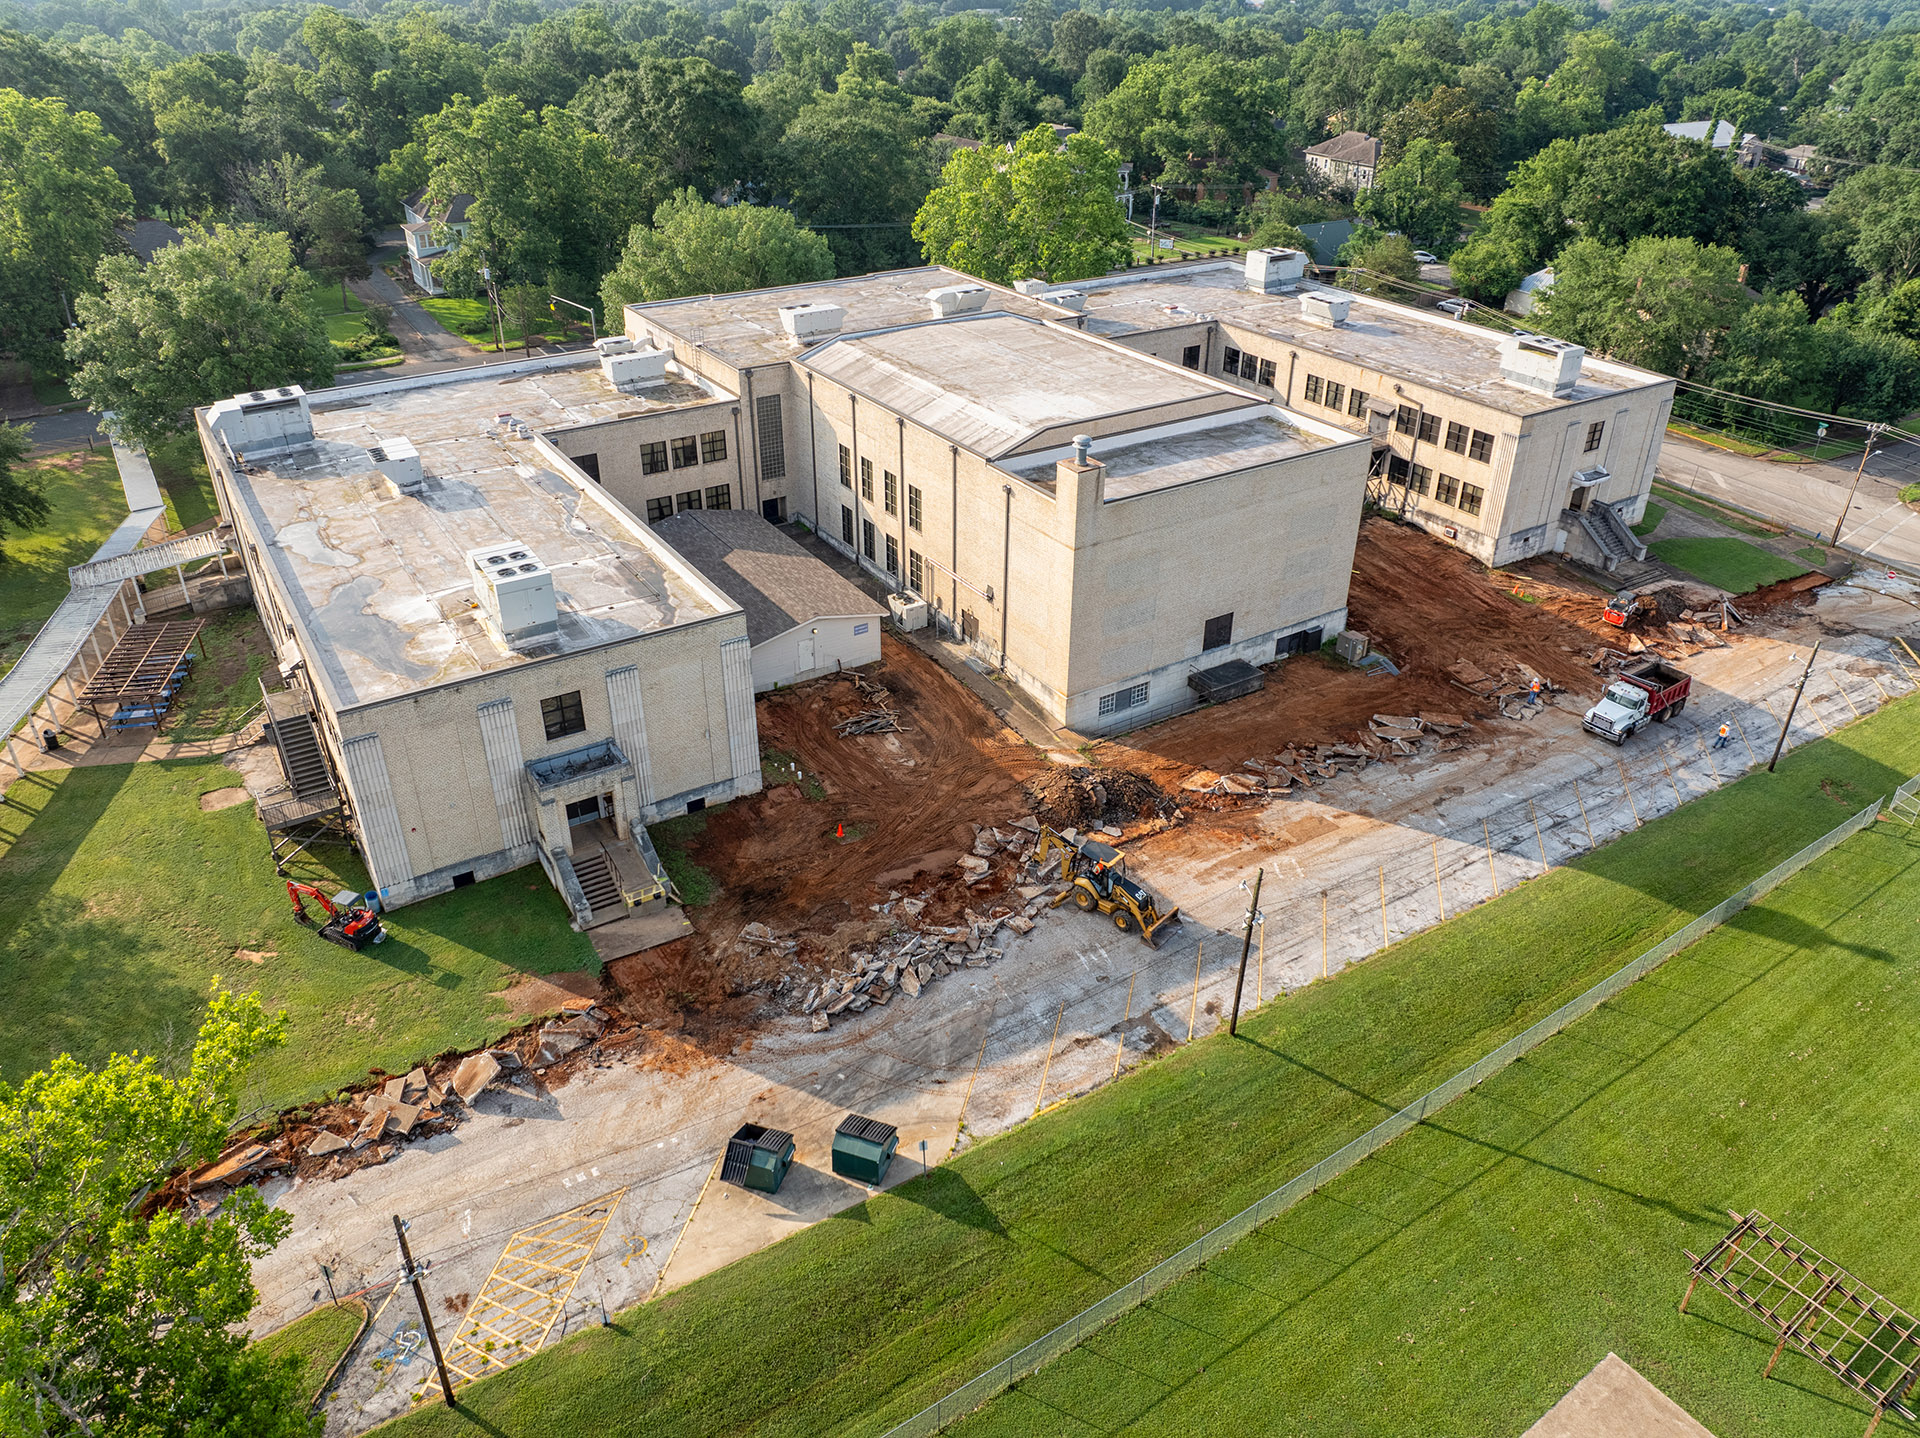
1692, 631
879, 715
1510, 689
1389, 737
1085, 797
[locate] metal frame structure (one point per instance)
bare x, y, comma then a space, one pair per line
516, 1308
140, 668
1861, 1337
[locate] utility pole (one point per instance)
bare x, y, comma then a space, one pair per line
1873, 434
1153, 229
1799, 689
1246, 943
411, 1272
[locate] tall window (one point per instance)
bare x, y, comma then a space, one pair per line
913, 506
1266, 373
1447, 490
1396, 470
1429, 428
713, 446
915, 571
653, 457
686, 451
1357, 403
1405, 419
1471, 496
1418, 478
893, 555
866, 537
659, 509
1190, 356
866, 480
846, 526
1457, 437
1335, 394
719, 496
1249, 366
1480, 447
846, 467
892, 490
1594, 431
1315, 386
773, 437
563, 715
1230, 360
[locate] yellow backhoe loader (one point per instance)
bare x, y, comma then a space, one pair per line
1097, 877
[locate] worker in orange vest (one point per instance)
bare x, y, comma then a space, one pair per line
1720, 738
1533, 692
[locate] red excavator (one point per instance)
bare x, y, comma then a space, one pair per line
350, 925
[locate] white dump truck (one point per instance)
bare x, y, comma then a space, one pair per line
1647, 693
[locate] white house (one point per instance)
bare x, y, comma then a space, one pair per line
429, 235
1348, 161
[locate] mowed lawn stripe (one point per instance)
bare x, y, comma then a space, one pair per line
858, 1321
1466, 1277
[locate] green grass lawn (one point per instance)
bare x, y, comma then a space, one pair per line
1728, 517
225, 685
317, 1340
1473, 1271
182, 471
1813, 554
1729, 564
1650, 521
87, 501
857, 1322
474, 319
341, 311
121, 901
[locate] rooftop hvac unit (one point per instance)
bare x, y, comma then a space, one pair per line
1324, 307
264, 421
812, 322
1067, 299
515, 592
399, 461
1271, 271
908, 613
632, 368
613, 345
957, 299
1541, 362
1029, 287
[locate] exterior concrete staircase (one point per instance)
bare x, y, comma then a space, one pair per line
599, 885
1611, 535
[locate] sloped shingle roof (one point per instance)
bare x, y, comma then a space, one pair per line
776, 582
1354, 147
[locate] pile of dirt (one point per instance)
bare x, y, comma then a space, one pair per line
1085, 798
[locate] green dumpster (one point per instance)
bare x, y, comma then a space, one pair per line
863, 1147
757, 1157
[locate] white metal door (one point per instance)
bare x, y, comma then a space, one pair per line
803, 661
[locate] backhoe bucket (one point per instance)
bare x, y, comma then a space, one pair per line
1159, 924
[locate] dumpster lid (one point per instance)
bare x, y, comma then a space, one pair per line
746, 1139
870, 1130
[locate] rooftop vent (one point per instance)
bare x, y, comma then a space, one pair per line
1273, 271
515, 593
1029, 287
812, 322
1067, 299
263, 422
1321, 307
399, 461
613, 345
632, 368
957, 300
1541, 363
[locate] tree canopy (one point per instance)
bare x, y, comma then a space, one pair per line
698, 248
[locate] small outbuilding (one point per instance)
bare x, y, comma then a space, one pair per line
803, 619
757, 1158
863, 1147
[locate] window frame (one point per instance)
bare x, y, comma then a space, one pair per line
1190, 357
866, 479
1472, 499
1429, 427
1267, 373
915, 507
1357, 403
1457, 435
653, 457
1314, 389
1596, 431
1480, 447
659, 507
846, 526
1419, 479
893, 555
1134, 696
846, 467
890, 490
1336, 396
770, 428
1446, 490
1406, 419
1221, 625
713, 447
563, 715
685, 450
916, 572
866, 537
724, 493
1230, 360
688, 499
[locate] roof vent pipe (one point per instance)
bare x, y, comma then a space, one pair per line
1083, 450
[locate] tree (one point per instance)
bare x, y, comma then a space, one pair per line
1383, 257
857, 158
1883, 204
293, 197
990, 104
698, 248
1664, 304
1273, 224
117, 1325
1046, 210
1451, 115
1420, 194
23, 501
59, 203
223, 311
683, 121
1198, 114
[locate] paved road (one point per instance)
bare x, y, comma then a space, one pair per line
64, 431
1810, 497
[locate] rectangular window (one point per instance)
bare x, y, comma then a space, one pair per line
686, 451
589, 465
846, 526
1217, 633
1406, 419
1357, 403
866, 480
1266, 373
1594, 431
915, 572
913, 506
1396, 470
713, 446
685, 500
866, 537
1335, 394
653, 457
1190, 356
1230, 360
1456, 437
1119, 702
1471, 497
1249, 366
1429, 428
892, 486
773, 437
563, 715
846, 467
774, 510
659, 509
719, 496
1447, 490
893, 555
1480, 447
1314, 385
1419, 478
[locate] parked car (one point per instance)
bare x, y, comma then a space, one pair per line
1455, 307
1426, 259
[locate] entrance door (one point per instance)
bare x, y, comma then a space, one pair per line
803, 660
585, 811
1579, 501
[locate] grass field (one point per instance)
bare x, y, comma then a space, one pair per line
1728, 517
341, 312
1650, 521
317, 1340
474, 319
182, 471
225, 684
857, 1322
1467, 1276
1729, 564
1813, 554
87, 501
121, 900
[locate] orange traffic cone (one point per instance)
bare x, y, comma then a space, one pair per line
839, 831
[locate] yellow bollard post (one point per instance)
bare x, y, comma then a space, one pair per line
1193, 1009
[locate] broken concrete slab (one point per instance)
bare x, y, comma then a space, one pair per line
325, 1143
232, 1164
476, 1071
